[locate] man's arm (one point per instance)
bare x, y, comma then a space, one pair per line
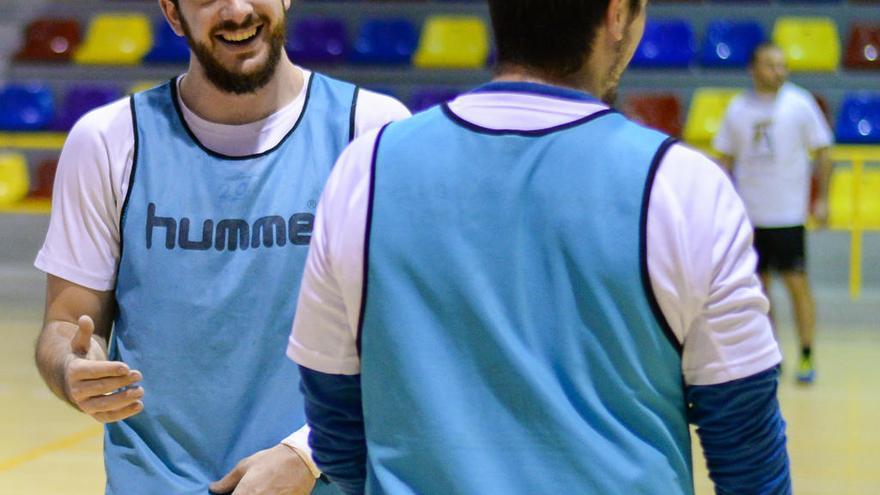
71, 353
726, 163
702, 268
824, 167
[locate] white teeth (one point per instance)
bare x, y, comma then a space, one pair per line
250, 33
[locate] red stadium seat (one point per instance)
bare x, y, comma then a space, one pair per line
863, 47
41, 185
50, 40
661, 111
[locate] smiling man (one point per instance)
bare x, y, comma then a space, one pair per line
181, 220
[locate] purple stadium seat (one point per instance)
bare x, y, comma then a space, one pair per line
81, 99
427, 98
26, 107
385, 41
667, 43
318, 40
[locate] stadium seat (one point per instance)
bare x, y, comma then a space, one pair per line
26, 107
41, 186
453, 42
666, 43
385, 41
13, 178
81, 99
658, 111
859, 119
731, 43
840, 202
810, 44
427, 98
318, 40
50, 40
863, 47
116, 39
168, 47
706, 113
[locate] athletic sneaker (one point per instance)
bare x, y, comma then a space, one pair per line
806, 372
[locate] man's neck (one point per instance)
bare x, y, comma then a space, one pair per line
522, 74
766, 92
214, 105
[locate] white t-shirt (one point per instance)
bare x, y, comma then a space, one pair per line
82, 244
770, 139
700, 257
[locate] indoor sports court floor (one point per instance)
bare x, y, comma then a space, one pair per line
834, 439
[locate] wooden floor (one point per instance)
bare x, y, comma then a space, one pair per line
833, 426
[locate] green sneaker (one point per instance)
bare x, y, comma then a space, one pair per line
806, 372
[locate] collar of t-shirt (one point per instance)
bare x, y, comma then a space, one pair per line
523, 106
246, 139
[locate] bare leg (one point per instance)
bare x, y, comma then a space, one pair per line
803, 304
766, 279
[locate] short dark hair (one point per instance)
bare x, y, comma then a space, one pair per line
764, 45
553, 36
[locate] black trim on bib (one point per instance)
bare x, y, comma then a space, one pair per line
643, 246
131, 178
367, 234
192, 136
352, 115
534, 133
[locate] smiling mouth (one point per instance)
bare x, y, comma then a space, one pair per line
240, 37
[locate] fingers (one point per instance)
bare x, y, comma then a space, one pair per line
84, 369
82, 339
230, 481
112, 402
81, 391
119, 414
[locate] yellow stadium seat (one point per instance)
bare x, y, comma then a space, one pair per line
706, 113
810, 44
116, 39
143, 86
460, 42
840, 203
14, 182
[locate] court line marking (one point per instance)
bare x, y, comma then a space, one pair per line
51, 447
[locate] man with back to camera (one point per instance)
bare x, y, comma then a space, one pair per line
765, 143
182, 218
523, 292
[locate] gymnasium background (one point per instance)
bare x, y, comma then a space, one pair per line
59, 59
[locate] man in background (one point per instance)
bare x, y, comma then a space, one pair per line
765, 141
523, 292
181, 218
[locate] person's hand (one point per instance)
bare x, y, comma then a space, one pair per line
102, 389
820, 213
274, 471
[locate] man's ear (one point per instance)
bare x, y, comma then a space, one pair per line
172, 15
617, 19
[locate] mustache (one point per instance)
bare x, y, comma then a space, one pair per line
248, 22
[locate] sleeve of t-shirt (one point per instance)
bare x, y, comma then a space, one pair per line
324, 334
375, 110
723, 141
702, 269
82, 243
818, 133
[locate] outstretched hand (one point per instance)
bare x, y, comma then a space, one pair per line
105, 390
274, 471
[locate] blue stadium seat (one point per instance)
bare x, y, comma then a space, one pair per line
318, 40
81, 99
385, 42
731, 43
666, 43
168, 47
25, 107
859, 119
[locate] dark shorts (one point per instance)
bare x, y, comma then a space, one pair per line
781, 249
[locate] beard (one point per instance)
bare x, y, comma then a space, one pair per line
235, 82
610, 93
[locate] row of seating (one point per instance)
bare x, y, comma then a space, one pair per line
16, 182
30, 107
810, 43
